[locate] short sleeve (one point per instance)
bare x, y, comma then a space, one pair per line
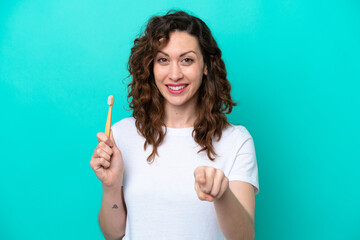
245, 165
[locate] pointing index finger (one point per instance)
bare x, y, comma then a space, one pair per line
200, 175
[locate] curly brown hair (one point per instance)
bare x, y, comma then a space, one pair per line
214, 99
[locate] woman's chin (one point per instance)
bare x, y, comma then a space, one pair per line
177, 102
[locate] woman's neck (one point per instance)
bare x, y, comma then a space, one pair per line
180, 116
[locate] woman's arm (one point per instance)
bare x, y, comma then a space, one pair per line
234, 201
112, 214
235, 211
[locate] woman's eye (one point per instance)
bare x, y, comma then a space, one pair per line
188, 60
162, 60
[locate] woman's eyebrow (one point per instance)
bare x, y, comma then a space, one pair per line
180, 54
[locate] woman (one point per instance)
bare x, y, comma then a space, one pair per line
177, 169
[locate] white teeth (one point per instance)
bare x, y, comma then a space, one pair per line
177, 87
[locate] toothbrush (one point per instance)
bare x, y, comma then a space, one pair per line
108, 121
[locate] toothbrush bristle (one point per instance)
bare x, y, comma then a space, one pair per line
110, 100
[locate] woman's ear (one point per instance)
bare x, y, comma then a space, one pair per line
205, 70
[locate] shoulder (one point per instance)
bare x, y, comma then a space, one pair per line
236, 131
124, 123
124, 127
233, 139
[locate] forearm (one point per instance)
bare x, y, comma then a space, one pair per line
234, 221
112, 214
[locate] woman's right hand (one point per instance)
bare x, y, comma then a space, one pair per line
107, 161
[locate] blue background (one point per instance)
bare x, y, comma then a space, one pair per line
295, 70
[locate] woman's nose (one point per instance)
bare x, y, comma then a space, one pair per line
175, 73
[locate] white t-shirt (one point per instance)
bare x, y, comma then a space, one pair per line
160, 197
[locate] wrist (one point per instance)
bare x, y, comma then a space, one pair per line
112, 188
225, 195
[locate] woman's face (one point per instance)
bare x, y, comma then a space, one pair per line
179, 69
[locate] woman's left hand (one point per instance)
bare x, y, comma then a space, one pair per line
210, 183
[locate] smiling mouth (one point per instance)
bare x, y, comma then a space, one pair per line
177, 88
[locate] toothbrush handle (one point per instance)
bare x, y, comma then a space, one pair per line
108, 122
